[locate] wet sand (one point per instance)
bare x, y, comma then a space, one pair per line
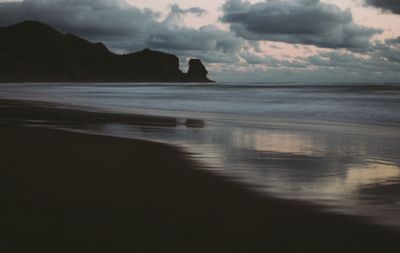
34, 112
71, 192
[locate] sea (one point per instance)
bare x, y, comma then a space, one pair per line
336, 145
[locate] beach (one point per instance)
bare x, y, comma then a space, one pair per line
73, 192
237, 126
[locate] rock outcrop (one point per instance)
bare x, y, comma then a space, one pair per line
35, 52
197, 72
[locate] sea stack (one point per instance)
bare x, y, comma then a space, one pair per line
197, 72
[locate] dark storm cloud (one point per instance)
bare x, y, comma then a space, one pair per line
91, 19
386, 5
307, 22
121, 26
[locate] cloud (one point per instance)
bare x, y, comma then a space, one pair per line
206, 38
393, 41
175, 16
126, 28
307, 22
123, 27
380, 64
194, 10
362, 65
272, 62
389, 50
325, 67
386, 5
96, 20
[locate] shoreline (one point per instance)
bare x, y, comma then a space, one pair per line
73, 192
85, 193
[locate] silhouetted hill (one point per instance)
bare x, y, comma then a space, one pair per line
34, 52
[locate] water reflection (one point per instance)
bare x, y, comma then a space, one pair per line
281, 142
348, 172
372, 173
355, 178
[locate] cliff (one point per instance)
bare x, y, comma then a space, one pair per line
34, 52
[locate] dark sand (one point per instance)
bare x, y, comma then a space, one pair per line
70, 192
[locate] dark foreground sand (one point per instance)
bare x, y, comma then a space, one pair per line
69, 192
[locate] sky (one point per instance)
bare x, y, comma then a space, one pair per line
240, 40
